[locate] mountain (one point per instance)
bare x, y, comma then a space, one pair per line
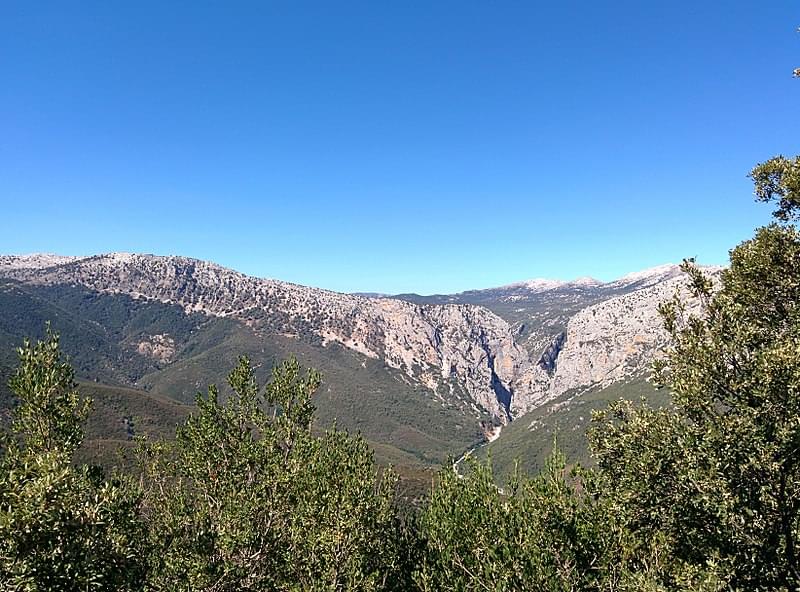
538, 310
420, 376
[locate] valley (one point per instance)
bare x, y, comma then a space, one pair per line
423, 378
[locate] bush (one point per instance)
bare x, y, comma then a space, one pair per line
61, 527
247, 498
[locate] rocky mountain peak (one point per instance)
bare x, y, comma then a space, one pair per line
649, 276
33, 261
585, 281
536, 285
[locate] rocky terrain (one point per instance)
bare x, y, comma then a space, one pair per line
491, 354
442, 347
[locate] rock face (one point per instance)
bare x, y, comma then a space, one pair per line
160, 347
539, 339
607, 341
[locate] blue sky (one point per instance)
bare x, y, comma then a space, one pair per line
404, 146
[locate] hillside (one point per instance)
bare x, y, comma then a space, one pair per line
529, 440
421, 377
119, 415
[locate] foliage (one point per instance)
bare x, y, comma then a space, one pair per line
544, 533
718, 474
51, 411
61, 527
778, 179
247, 498
528, 440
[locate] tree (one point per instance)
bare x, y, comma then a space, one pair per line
778, 179
61, 527
550, 532
718, 473
248, 498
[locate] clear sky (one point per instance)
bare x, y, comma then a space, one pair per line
394, 146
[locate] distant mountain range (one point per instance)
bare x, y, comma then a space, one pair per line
422, 377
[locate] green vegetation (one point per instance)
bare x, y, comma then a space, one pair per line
778, 180
553, 532
247, 498
61, 527
118, 416
404, 423
528, 440
102, 333
699, 494
717, 474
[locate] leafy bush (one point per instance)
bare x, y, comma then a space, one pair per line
246, 498
539, 534
717, 475
61, 527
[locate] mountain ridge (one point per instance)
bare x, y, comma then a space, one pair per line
41, 260
489, 355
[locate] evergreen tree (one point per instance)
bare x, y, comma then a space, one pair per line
61, 527
540, 533
248, 498
718, 473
